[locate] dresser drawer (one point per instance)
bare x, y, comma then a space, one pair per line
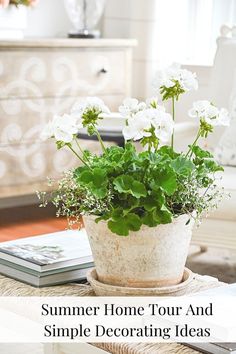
25, 163
63, 72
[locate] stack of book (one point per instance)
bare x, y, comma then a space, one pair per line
215, 348
50, 259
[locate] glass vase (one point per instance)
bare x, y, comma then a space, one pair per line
84, 16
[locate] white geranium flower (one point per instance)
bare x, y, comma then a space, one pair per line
153, 113
210, 113
65, 128
169, 76
166, 77
137, 127
62, 128
199, 107
188, 80
163, 124
89, 103
131, 106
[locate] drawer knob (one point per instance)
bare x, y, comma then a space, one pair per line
103, 71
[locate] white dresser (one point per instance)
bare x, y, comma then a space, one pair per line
39, 78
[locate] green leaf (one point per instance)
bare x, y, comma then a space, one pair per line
149, 203
129, 151
79, 170
95, 180
205, 162
128, 185
118, 228
200, 152
123, 183
122, 225
133, 221
103, 217
182, 166
164, 178
156, 211
149, 219
152, 201
96, 177
130, 204
138, 189
157, 217
167, 150
163, 216
212, 166
117, 213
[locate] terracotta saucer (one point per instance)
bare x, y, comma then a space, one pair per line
102, 289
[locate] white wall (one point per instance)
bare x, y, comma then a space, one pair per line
135, 19
160, 33
142, 19
48, 19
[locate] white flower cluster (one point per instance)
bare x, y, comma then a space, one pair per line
168, 77
64, 128
141, 117
209, 113
131, 106
89, 103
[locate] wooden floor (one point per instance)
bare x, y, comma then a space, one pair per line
28, 221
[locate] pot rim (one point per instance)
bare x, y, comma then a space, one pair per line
175, 220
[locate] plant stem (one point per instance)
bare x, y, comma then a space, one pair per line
71, 148
100, 140
173, 116
80, 149
194, 143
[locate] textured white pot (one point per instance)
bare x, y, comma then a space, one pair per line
13, 22
151, 257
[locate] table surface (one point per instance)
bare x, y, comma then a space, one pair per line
11, 287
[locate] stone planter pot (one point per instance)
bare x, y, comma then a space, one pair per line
151, 257
13, 22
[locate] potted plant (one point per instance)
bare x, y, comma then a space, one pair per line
139, 207
13, 18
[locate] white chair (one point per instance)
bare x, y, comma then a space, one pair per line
219, 229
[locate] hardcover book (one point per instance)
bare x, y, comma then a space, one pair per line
215, 348
48, 252
49, 259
